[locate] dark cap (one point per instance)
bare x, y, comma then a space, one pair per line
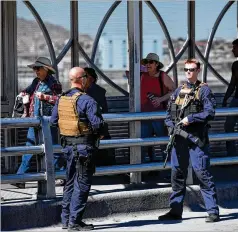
91, 72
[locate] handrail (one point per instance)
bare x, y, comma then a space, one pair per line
111, 143
112, 170
47, 171
115, 117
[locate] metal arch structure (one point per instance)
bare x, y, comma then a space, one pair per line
89, 61
210, 67
101, 27
45, 33
210, 40
167, 35
9, 51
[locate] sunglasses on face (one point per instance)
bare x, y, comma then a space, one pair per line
37, 68
189, 69
149, 61
84, 76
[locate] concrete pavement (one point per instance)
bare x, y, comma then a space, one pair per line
104, 201
193, 220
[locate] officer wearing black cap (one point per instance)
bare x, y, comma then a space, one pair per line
192, 105
81, 125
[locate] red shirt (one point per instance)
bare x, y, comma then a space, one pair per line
150, 85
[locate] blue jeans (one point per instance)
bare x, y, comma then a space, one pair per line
31, 141
229, 127
148, 129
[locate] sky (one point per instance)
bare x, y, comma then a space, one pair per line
173, 13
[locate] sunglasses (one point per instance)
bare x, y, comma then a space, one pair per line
37, 68
149, 61
189, 69
84, 76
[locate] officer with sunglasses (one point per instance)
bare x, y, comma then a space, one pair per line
79, 119
197, 104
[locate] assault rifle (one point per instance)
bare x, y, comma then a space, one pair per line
171, 143
177, 129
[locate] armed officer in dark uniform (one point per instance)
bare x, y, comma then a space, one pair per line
190, 108
81, 125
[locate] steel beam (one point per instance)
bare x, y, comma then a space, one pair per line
133, 17
9, 80
74, 31
191, 29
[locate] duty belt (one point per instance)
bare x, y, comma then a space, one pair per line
86, 139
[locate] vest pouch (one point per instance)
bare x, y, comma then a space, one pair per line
173, 111
84, 128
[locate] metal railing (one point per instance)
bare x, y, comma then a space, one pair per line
47, 175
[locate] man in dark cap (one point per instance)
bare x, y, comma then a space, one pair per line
99, 95
43, 92
96, 91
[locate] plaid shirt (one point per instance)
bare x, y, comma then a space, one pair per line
51, 88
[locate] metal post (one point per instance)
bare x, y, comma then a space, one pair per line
237, 19
191, 54
141, 27
191, 29
46, 188
9, 56
8, 69
134, 80
74, 33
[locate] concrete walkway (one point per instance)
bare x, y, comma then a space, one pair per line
193, 220
19, 205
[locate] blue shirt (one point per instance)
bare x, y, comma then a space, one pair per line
207, 99
88, 111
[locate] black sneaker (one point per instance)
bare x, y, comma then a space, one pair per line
80, 227
169, 216
212, 218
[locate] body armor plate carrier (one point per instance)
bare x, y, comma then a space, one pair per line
191, 99
69, 121
194, 106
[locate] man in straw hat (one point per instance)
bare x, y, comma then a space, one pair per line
43, 92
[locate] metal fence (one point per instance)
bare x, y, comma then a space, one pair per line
47, 175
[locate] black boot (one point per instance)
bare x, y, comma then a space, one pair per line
169, 216
80, 227
212, 218
64, 226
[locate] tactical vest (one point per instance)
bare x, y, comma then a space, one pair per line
194, 106
69, 121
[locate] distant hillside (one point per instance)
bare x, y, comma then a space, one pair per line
30, 39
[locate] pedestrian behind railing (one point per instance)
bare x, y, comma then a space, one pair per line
46, 176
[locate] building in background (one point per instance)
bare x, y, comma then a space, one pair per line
114, 50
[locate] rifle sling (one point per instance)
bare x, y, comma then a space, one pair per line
185, 135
